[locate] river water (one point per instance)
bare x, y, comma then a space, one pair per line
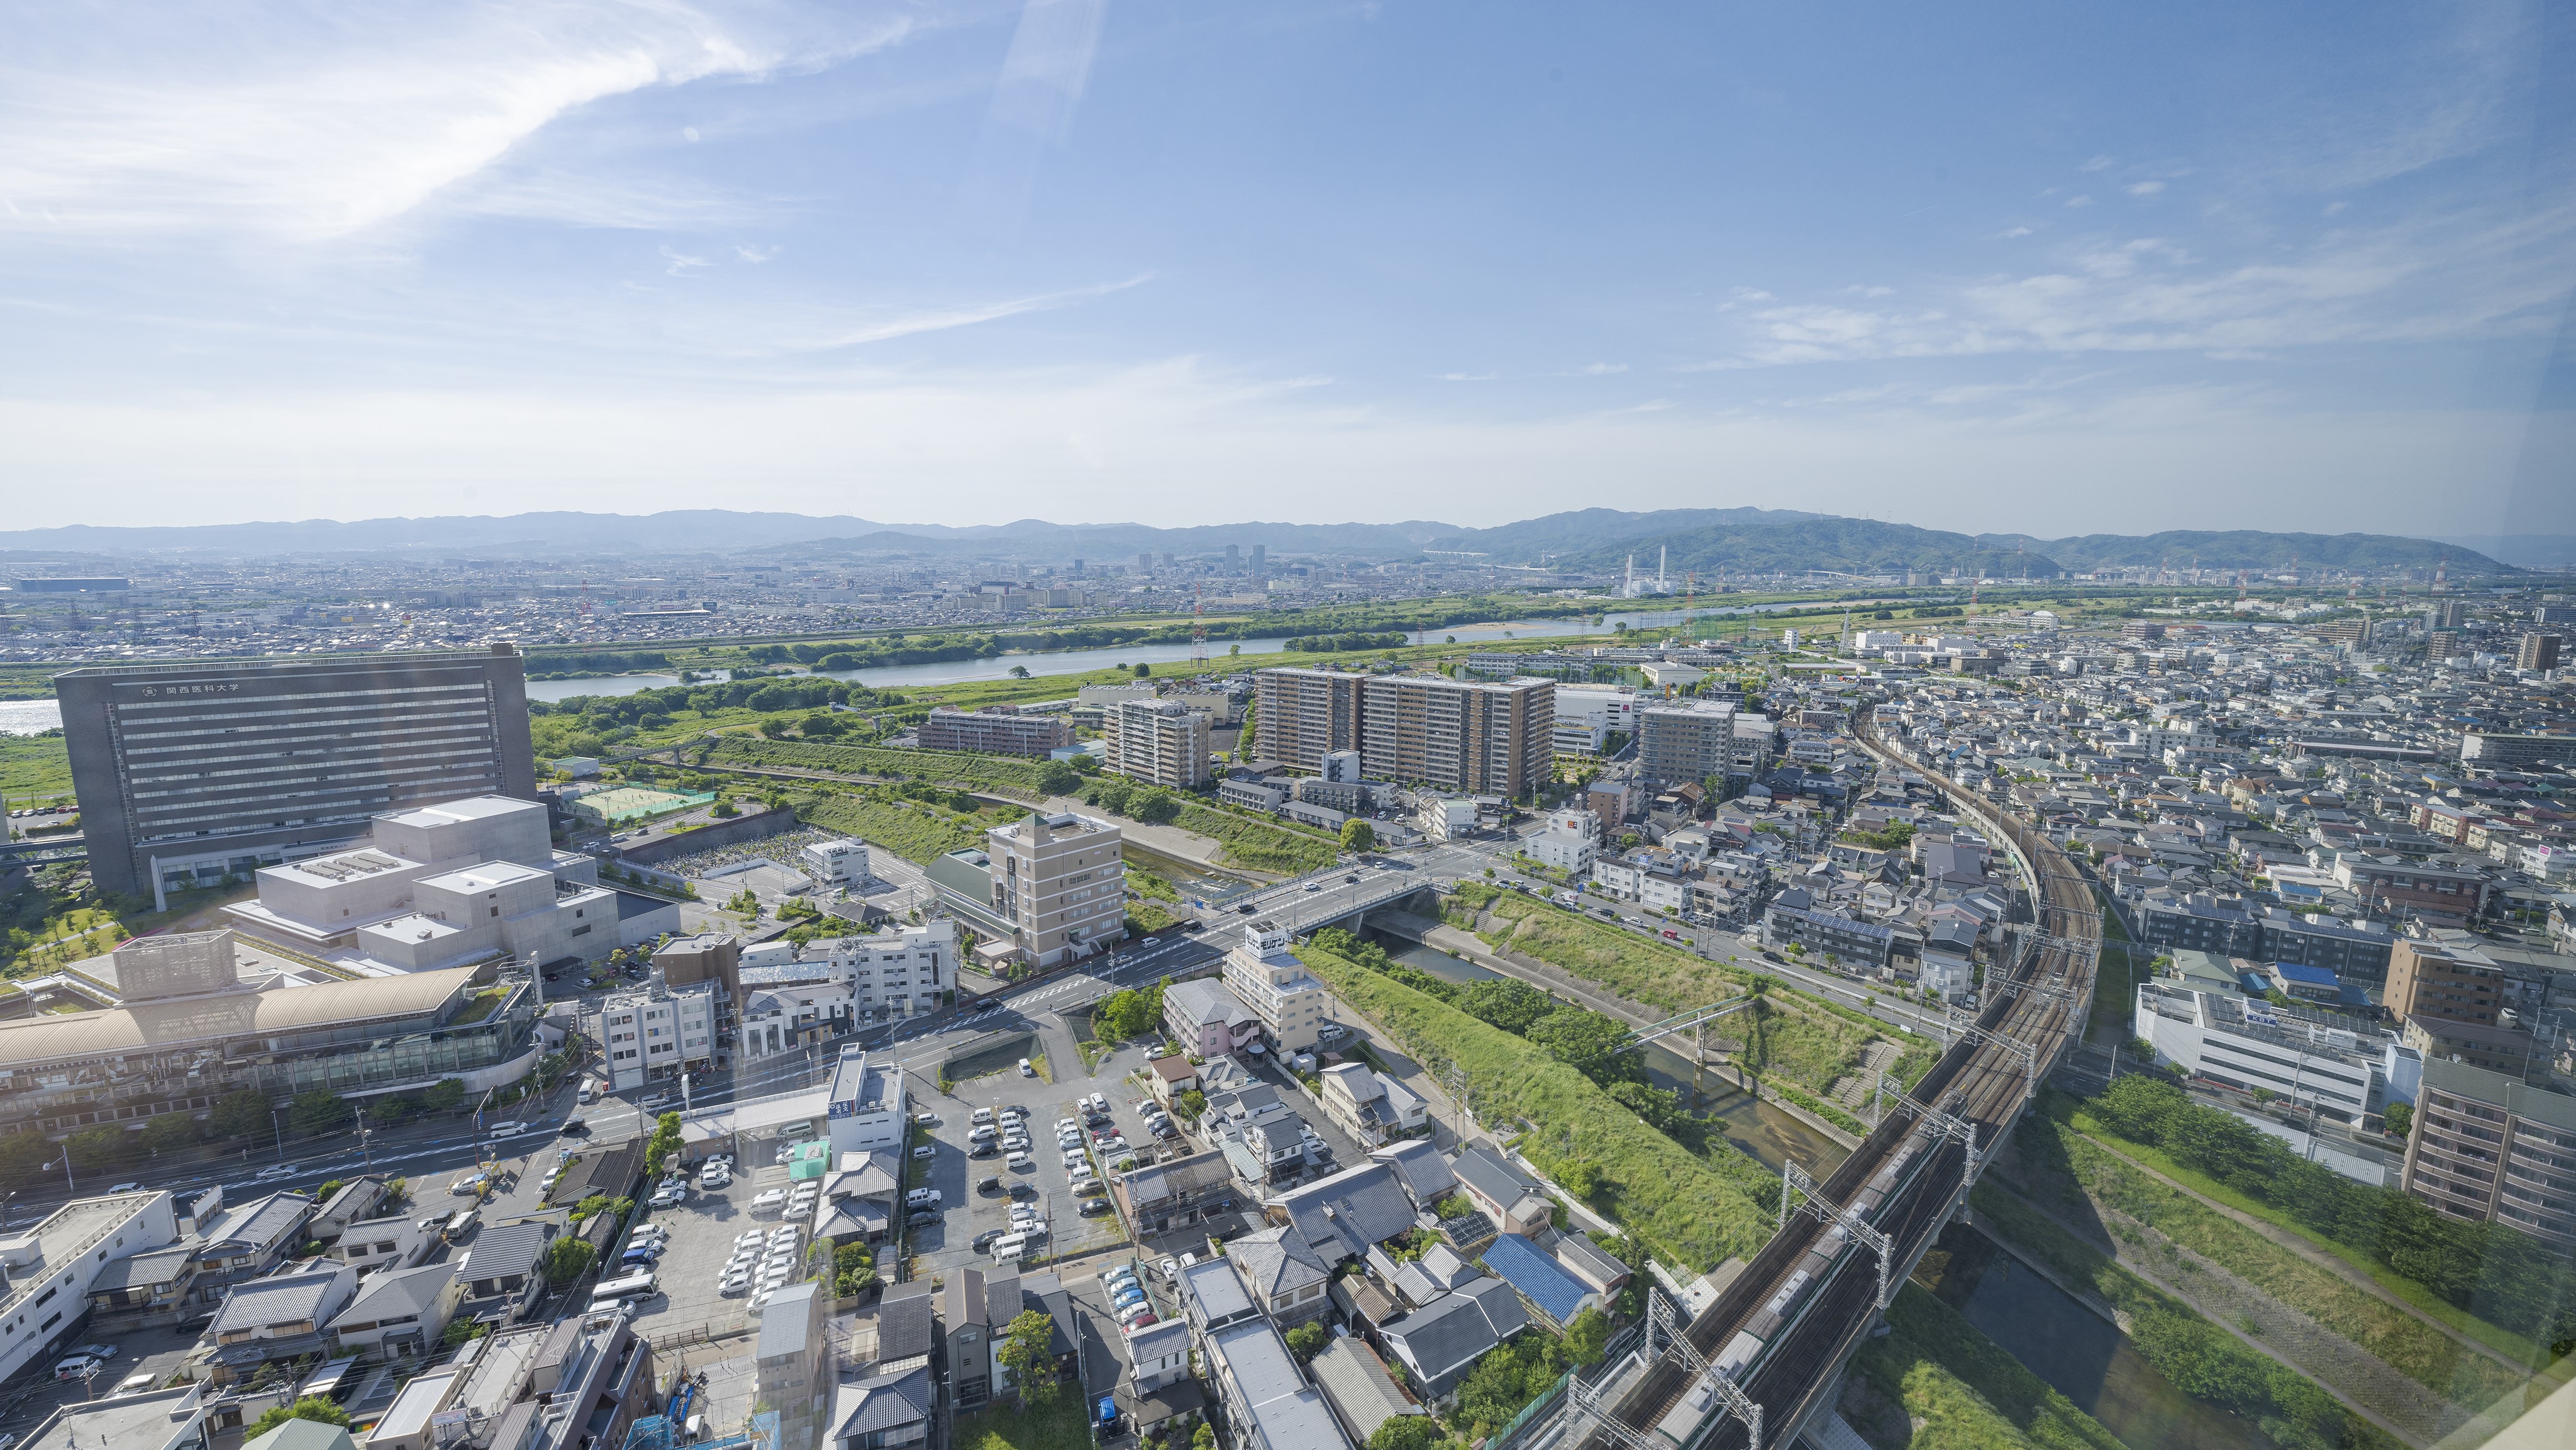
1758, 1129
2081, 1355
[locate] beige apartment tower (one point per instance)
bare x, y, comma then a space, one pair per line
1158, 742
1301, 716
1060, 883
1460, 735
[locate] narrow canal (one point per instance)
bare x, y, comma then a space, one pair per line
1758, 1129
2080, 1354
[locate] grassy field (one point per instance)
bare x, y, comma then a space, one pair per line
1686, 1209
1058, 1426
1256, 845
2515, 1346
2058, 1157
2115, 992
2199, 1358
915, 830
1937, 1383
33, 768
999, 774
1803, 1037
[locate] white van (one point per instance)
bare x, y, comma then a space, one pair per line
638, 1285
983, 1115
1011, 1248
1019, 1160
589, 1091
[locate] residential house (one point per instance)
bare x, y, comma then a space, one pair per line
1540, 1280
1420, 1168
1501, 1191
1440, 1342
397, 1240
1371, 1106
1207, 1021
1287, 1278
888, 1410
357, 1198
1578, 1255
1342, 1215
858, 1197
247, 1242
504, 1272
1356, 1386
144, 1290
399, 1311
1158, 1355
1173, 1075
1160, 1197
280, 1317
1264, 1398
969, 1333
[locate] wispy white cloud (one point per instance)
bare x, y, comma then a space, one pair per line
680, 264
2009, 233
2145, 188
305, 125
2098, 163
887, 327
756, 255
1604, 369
2079, 201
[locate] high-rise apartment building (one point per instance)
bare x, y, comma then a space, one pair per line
2539, 652
1695, 739
188, 773
995, 730
1265, 976
2426, 979
1060, 883
657, 1033
1300, 716
1463, 735
2446, 614
1158, 742
2489, 1148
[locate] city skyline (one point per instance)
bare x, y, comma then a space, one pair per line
1068, 260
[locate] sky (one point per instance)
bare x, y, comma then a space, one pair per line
2036, 268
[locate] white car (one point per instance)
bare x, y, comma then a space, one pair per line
769, 1198
735, 1281
748, 1237
278, 1170
668, 1196
1027, 1070
508, 1129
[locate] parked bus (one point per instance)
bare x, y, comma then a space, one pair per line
640, 1284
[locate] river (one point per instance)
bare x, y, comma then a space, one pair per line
1759, 1130
27, 717
2081, 1355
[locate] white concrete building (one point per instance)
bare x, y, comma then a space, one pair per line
837, 864
1265, 977
866, 1109
832, 987
654, 1034
1588, 715
2306, 1057
47, 1267
457, 882
1443, 818
1060, 882
1570, 842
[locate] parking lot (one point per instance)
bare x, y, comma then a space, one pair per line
703, 1228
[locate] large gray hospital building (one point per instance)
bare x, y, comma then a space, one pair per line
188, 773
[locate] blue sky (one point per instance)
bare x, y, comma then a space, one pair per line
2041, 267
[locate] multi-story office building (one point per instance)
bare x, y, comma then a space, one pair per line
56, 1259
2539, 652
2514, 752
1266, 977
1300, 716
995, 730
1465, 735
2489, 1148
188, 773
1158, 742
2311, 1058
830, 989
657, 1033
1058, 880
1693, 740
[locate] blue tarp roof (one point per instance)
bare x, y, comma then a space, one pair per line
2313, 976
1518, 1262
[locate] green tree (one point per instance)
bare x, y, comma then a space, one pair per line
1155, 807
2400, 1119
1142, 670
169, 1132
1587, 1337
1058, 776
1592, 1043
1019, 672
1358, 836
389, 1110
315, 1111
1191, 1103
1513, 1006
1406, 1432
1308, 1340
566, 1259
1204, 1437
240, 1114
444, 1095
99, 1147
461, 1330
1029, 1354
312, 1407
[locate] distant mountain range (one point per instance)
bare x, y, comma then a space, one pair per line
1705, 542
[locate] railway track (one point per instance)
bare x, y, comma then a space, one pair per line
1762, 1354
